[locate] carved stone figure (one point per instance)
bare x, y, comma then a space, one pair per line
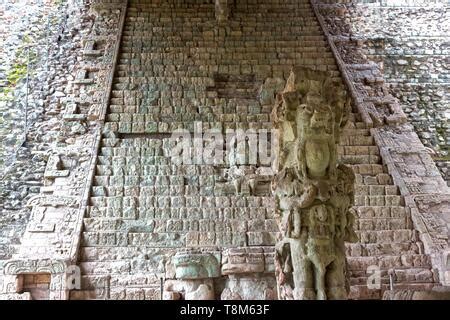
242, 175
313, 193
192, 272
195, 265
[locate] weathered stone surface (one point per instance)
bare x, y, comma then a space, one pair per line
313, 193
243, 260
189, 289
144, 207
406, 42
250, 287
196, 265
416, 295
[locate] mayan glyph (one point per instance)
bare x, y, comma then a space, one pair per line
314, 193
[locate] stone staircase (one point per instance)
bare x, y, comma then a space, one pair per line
177, 66
387, 237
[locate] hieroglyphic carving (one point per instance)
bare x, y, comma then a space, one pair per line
409, 162
313, 193
36, 223
196, 265
434, 212
55, 167
34, 266
248, 177
60, 214
243, 260
53, 201
15, 296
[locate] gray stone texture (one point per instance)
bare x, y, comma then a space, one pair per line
112, 201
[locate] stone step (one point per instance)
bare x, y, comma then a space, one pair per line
357, 141
207, 70
387, 236
410, 275
179, 225
115, 166
358, 150
118, 267
167, 170
376, 190
386, 200
201, 202
206, 16
222, 44
379, 249
205, 32
182, 116
200, 67
148, 173
146, 213
200, 63
355, 132
362, 292
220, 107
404, 261
92, 254
122, 280
174, 78
233, 29
378, 224
137, 49
171, 126
360, 159
142, 292
355, 125
215, 38
369, 169
207, 56
386, 212
378, 179
425, 277
179, 239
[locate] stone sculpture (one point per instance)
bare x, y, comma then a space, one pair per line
242, 175
191, 275
313, 192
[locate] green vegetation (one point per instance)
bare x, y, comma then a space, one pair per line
58, 2
17, 72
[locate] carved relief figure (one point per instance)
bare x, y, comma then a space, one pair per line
313, 193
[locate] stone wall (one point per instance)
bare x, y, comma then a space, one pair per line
410, 42
34, 174
44, 28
